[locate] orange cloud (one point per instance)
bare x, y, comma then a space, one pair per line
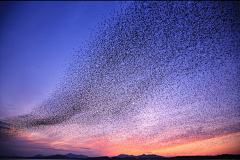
195, 145
168, 143
205, 147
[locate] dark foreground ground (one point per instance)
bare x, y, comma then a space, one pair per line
127, 157
226, 157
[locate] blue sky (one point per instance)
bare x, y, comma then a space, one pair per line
37, 39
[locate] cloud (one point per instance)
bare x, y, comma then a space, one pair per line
2, 127
7, 131
4, 123
31, 145
85, 148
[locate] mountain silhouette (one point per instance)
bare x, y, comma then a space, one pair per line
38, 155
127, 157
138, 157
70, 155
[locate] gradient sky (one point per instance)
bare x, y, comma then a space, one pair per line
157, 78
37, 39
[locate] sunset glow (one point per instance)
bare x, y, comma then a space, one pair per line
159, 78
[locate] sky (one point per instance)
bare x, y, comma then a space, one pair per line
108, 78
37, 39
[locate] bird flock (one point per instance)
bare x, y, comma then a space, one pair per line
151, 67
